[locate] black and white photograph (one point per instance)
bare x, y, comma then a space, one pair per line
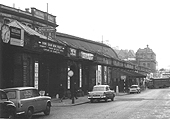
84, 59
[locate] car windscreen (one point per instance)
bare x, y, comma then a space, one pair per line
99, 89
133, 87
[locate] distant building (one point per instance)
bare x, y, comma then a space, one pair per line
146, 57
126, 55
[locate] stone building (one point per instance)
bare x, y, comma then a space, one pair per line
33, 53
146, 57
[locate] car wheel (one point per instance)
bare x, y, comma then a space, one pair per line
47, 111
112, 98
29, 113
105, 99
91, 100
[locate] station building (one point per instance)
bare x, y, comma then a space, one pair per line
33, 53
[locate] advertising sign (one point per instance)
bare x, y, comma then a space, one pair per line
51, 47
36, 75
85, 55
17, 36
99, 74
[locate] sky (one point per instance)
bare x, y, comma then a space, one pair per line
127, 24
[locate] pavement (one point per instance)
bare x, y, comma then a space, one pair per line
68, 102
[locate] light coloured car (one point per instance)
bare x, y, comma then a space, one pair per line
28, 101
101, 92
134, 89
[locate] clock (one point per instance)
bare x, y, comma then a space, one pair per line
5, 33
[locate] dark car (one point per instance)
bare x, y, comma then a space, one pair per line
7, 108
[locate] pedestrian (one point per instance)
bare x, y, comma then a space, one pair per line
61, 92
75, 90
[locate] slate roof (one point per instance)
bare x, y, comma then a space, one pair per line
87, 45
73, 41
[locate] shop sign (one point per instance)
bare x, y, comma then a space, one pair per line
36, 75
80, 74
105, 74
72, 52
17, 36
99, 75
85, 55
123, 77
50, 47
46, 29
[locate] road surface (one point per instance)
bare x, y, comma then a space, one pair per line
150, 104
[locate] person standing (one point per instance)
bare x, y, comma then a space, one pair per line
61, 92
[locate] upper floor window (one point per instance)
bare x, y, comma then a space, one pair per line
6, 20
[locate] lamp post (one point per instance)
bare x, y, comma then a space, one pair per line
70, 74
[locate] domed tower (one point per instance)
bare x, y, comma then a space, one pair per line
146, 57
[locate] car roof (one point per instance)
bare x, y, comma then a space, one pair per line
19, 88
101, 86
2, 90
134, 85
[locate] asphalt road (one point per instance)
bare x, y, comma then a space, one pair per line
150, 104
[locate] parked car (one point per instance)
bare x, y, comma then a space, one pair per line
7, 107
28, 101
101, 92
134, 89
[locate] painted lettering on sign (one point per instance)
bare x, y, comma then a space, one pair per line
85, 55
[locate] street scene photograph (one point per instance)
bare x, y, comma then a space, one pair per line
84, 59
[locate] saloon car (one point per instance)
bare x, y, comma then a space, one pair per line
101, 92
134, 89
28, 101
7, 108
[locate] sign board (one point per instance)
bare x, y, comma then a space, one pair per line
123, 77
46, 29
85, 55
50, 47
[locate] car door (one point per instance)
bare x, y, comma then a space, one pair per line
40, 101
109, 92
27, 100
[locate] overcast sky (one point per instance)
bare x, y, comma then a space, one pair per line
127, 24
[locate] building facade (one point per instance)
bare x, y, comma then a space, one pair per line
146, 57
33, 53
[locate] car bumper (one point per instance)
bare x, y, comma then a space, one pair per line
133, 91
97, 97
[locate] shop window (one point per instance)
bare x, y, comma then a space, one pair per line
6, 21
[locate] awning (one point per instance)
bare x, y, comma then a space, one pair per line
130, 73
27, 29
31, 31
